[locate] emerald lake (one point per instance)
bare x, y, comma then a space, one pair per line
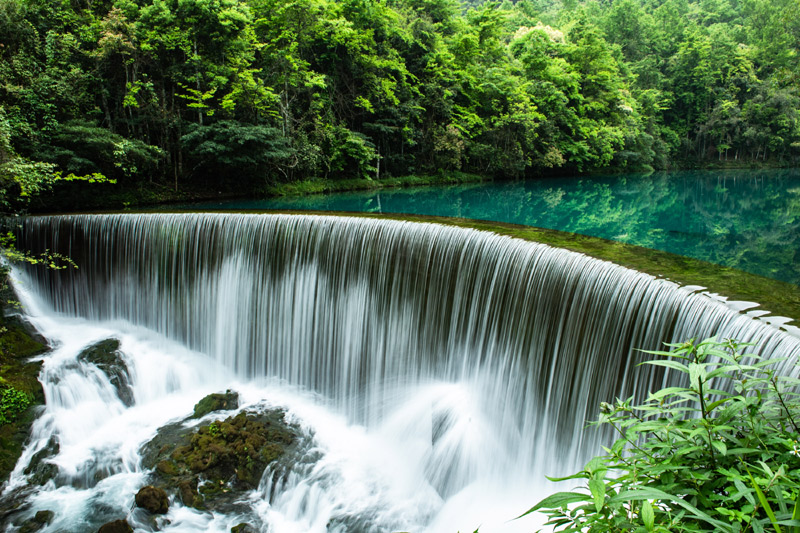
743, 219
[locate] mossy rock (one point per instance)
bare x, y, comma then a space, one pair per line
236, 449
21, 377
218, 401
106, 356
117, 526
20, 340
211, 466
152, 499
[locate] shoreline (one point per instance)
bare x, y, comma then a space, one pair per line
108, 196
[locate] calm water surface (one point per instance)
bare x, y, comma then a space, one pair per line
744, 219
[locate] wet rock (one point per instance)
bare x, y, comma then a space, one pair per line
20, 339
14, 503
210, 467
18, 376
236, 449
105, 355
39, 520
226, 401
244, 528
117, 526
187, 489
39, 470
152, 499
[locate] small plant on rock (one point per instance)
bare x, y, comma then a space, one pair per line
12, 403
718, 454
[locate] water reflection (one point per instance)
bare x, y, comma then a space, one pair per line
743, 219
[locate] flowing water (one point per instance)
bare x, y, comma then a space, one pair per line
438, 372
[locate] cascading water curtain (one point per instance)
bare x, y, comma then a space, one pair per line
350, 307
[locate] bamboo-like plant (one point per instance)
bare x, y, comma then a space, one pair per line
718, 454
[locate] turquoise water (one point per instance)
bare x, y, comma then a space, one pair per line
744, 219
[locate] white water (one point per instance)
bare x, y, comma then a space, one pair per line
387, 472
442, 372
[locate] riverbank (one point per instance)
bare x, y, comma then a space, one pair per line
78, 196
74, 196
21, 394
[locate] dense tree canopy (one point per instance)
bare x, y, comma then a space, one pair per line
235, 93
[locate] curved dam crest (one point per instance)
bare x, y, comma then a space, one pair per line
365, 313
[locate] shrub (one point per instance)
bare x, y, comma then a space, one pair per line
12, 403
719, 454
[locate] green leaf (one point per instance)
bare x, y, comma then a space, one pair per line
596, 464
649, 493
648, 516
598, 490
666, 391
580, 475
765, 503
744, 491
714, 405
556, 501
668, 364
697, 373
720, 446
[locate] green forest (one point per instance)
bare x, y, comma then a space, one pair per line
240, 95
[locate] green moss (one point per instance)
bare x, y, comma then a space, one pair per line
16, 342
207, 466
20, 390
167, 468
239, 447
102, 354
776, 296
243, 528
216, 402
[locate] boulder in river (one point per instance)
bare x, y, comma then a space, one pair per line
40, 470
117, 526
219, 401
210, 466
106, 356
152, 499
39, 521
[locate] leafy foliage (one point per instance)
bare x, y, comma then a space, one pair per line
12, 403
21, 178
718, 454
381, 88
228, 149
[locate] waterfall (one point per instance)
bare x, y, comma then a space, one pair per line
507, 347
